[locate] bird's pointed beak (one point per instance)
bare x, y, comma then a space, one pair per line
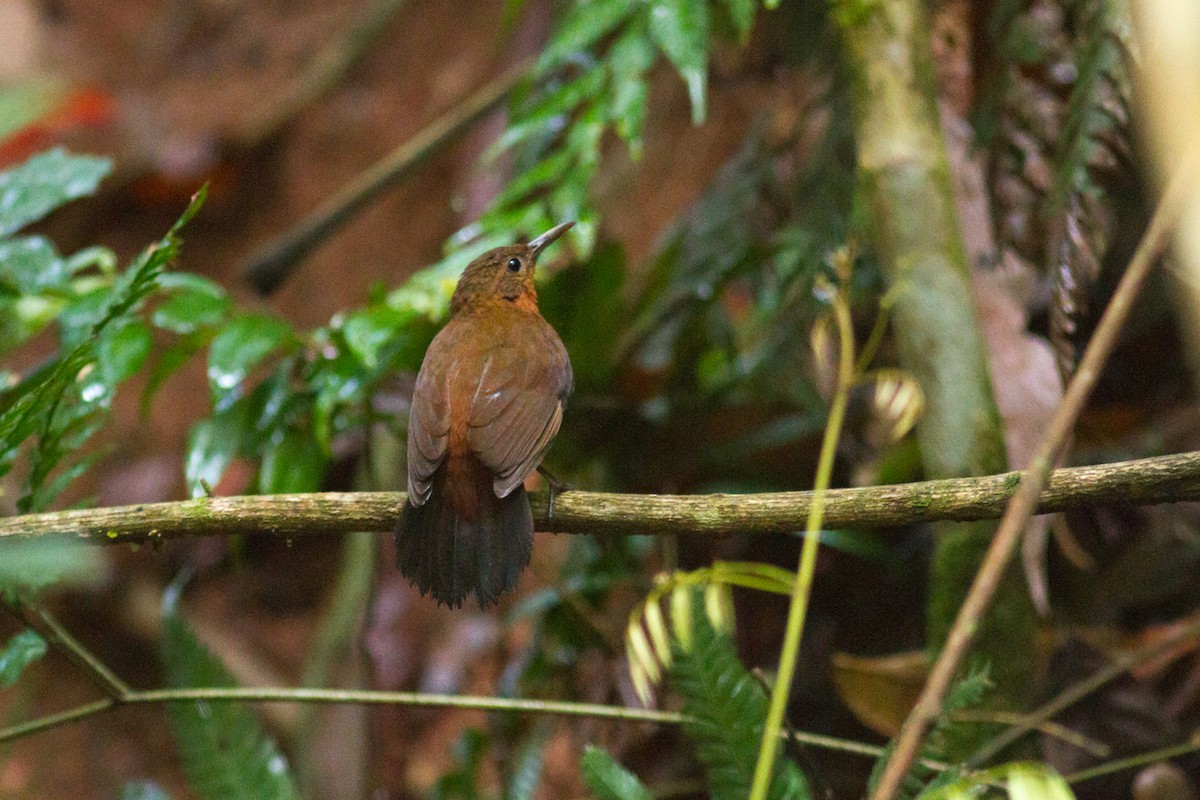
546, 239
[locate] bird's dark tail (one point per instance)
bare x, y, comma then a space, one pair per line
454, 545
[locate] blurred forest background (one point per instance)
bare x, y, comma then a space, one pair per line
715, 156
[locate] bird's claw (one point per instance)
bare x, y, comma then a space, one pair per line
556, 487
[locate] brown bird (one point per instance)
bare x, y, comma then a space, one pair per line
488, 400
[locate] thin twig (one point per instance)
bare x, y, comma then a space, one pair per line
1053, 729
1151, 757
1164, 479
1073, 694
49, 628
1024, 503
60, 718
321, 76
267, 268
368, 697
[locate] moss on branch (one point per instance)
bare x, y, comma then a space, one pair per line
1149, 481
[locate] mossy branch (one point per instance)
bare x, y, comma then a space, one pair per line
1149, 481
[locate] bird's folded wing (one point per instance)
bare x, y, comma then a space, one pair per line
515, 413
428, 431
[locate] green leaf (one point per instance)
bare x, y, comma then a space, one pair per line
1026, 780
547, 115
369, 332
462, 782
584, 24
81, 315
544, 173
23, 318
337, 382
32, 564
59, 406
680, 27
21, 651
293, 462
68, 404
1037, 782
30, 264
242, 428
32, 190
607, 779
225, 754
196, 303
630, 59
211, 445
122, 350
741, 13
239, 347
528, 765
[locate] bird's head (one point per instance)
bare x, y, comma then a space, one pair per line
505, 273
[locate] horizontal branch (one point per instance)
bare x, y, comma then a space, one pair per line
1148, 481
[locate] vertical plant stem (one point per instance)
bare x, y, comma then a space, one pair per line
802, 587
336, 653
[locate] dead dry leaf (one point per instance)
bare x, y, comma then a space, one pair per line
880, 690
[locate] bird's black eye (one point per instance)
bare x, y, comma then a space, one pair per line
514, 265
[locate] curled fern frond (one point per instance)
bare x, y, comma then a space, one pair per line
897, 403
649, 637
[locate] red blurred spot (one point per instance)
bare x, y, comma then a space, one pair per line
81, 108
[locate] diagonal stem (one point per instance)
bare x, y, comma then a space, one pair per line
1142, 759
995, 563
43, 622
1073, 694
267, 268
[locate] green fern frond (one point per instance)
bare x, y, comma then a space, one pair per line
225, 754
921, 778
726, 707
21, 650
62, 406
648, 638
607, 779
1090, 112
